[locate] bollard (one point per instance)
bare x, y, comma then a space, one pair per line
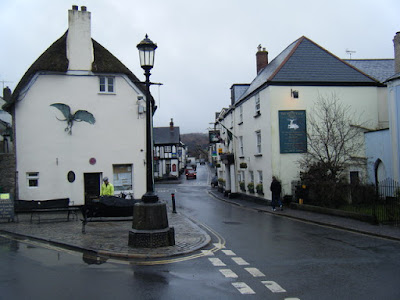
173, 203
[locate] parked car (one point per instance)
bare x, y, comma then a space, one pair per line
214, 181
191, 174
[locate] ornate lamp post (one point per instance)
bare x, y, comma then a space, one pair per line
150, 222
146, 54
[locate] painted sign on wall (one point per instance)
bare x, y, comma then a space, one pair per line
292, 131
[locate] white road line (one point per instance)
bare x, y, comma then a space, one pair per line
219, 245
243, 288
207, 252
240, 261
216, 262
228, 273
229, 252
255, 272
273, 286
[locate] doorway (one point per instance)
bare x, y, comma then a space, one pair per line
92, 186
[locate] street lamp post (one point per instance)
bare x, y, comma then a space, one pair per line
150, 227
146, 54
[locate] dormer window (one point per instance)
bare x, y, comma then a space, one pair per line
107, 85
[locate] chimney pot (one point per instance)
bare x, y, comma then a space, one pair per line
83, 8
74, 7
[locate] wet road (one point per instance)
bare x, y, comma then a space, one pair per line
265, 257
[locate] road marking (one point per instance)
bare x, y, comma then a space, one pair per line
228, 273
216, 262
273, 286
243, 288
255, 272
219, 245
229, 252
207, 252
240, 261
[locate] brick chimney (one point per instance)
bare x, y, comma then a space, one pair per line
262, 58
79, 40
171, 125
396, 42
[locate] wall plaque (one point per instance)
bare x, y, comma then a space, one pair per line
6, 206
292, 131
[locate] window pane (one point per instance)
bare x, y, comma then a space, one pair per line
122, 177
110, 84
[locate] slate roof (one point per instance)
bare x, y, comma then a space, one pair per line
54, 59
380, 69
164, 135
306, 63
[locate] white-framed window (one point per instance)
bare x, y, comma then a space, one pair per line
258, 141
107, 84
257, 104
260, 176
241, 176
167, 149
122, 177
32, 179
251, 174
240, 114
241, 152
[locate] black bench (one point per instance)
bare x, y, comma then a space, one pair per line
107, 208
37, 207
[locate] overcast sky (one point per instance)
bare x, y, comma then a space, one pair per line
203, 46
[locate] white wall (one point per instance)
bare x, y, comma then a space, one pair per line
117, 137
365, 102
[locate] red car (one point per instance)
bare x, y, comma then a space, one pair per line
190, 174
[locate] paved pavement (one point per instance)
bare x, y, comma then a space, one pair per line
110, 239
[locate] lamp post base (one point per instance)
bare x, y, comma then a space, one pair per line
150, 225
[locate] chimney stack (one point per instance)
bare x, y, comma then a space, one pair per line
396, 42
7, 94
262, 58
79, 40
171, 125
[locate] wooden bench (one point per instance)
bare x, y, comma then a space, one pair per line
38, 207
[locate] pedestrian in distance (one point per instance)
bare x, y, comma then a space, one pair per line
276, 190
107, 189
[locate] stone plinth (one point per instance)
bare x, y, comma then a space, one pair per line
150, 226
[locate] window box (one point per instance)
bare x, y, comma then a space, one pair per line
242, 186
243, 165
259, 189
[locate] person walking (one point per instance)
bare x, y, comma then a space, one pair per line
107, 189
276, 190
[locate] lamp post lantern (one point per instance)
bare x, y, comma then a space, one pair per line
150, 227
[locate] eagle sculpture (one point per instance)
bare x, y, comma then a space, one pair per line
78, 116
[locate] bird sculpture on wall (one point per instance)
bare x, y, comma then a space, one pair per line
78, 116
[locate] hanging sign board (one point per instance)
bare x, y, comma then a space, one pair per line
6, 206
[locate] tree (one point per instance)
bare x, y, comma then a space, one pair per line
334, 141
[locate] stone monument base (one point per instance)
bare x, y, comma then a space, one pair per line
150, 226
152, 238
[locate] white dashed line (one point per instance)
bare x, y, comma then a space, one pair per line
240, 261
228, 273
229, 252
216, 262
255, 272
273, 286
243, 288
207, 252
